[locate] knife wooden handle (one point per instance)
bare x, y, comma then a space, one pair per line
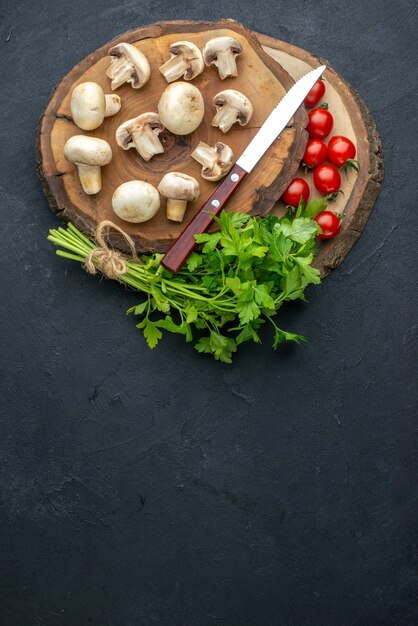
176, 256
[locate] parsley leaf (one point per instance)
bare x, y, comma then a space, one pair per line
311, 273
315, 206
301, 229
262, 296
280, 246
152, 333
218, 345
194, 261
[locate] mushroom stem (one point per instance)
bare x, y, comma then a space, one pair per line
204, 154
113, 104
120, 74
174, 68
146, 142
176, 209
225, 117
226, 64
90, 178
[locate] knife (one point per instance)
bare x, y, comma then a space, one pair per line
283, 112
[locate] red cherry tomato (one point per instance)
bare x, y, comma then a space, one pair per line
320, 123
329, 223
327, 179
297, 189
340, 149
315, 153
315, 94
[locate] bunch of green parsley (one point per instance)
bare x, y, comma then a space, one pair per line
223, 294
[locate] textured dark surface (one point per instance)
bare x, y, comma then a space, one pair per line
142, 488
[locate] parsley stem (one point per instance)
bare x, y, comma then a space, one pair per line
67, 255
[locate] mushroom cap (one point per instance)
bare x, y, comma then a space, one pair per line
236, 100
179, 186
83, 150
124, 131
88, 105
135, 201
220, 44
191, 55
181, 108
224, 152
141, 68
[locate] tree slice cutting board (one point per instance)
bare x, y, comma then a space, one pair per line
260, 78
264, 75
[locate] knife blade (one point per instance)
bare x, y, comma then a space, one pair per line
278, 119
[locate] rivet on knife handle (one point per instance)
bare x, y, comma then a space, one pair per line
176, 256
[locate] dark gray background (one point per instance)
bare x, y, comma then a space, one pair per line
158, 487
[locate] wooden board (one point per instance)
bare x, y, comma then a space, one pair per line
260, 78
351, 118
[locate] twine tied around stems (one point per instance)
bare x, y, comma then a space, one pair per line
109, 261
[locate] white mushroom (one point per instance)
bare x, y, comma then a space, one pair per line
222, 51
181, 108
186, 61
90, 105
179, 189
135, 201
141, 133
89, 154
232, 107
216, 161
128, 65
